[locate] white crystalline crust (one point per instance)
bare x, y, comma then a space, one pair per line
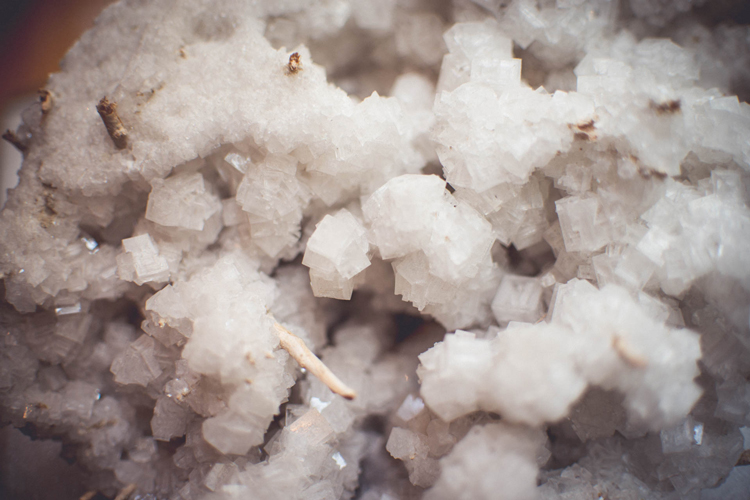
533, 373
560, 190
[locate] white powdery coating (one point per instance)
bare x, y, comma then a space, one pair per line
533, 373
245, 96
495, 459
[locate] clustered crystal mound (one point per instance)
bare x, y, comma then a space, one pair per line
580, 228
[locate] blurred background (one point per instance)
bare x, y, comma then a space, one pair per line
34, 36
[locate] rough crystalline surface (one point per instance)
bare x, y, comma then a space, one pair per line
518, 231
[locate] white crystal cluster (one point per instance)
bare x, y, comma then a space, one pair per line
518, 231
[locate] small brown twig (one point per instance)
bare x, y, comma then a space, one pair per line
666, 108
45, 98
626, 354
12, 138
125, 493
308, 360
116, 130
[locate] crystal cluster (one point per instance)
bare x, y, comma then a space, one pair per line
517, 231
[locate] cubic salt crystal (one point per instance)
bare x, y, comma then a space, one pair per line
580, 221
518, 299
681, 437
79, 399
181, 201
137, 364
219, 475
410, 408
415, 284
334, 287
451, 374
271, 189
232, 433
496, 72
420, 196
405, 444
338, 246
411, 447
460, 242
469, 40
312, 428
141, 262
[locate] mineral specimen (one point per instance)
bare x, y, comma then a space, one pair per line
558, 191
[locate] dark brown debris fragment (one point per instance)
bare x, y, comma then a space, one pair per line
45, 98
12, 138
108, 112
667, 107
295, 65
586, 127
584, 131
647, 172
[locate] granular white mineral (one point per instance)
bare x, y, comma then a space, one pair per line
557, 191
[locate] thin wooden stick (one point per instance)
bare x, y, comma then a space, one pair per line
297, 349
126, 492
